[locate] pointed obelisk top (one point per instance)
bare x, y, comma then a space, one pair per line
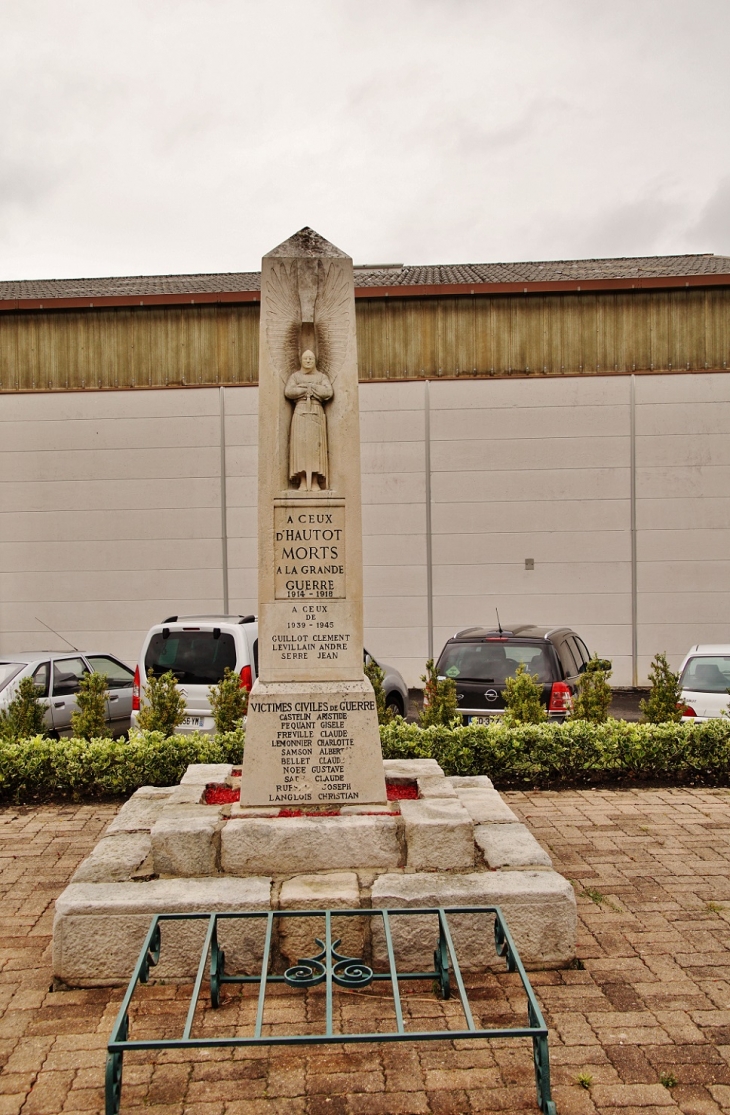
307, 243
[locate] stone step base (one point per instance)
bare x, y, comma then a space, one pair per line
99, 928
166, 852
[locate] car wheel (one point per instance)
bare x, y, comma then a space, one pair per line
394, 704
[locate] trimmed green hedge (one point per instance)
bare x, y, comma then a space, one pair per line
41, 768
574, 753
535, 755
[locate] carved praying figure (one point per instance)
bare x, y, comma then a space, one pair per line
309, 390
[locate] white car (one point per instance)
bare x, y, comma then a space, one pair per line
197, 649
705, 680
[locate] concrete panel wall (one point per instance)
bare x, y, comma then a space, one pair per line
392, 431
109, 515
110, 512
683, 512
534, 470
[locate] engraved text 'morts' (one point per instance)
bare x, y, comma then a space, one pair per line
309, 553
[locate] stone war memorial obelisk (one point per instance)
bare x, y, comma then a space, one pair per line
312, 827
312, 731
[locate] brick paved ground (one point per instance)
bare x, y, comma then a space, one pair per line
651, 873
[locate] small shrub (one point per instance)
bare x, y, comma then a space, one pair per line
375, 676
663, 705
25, 715
522, 699
593, 699
228, 702
163, 705
575, 753
90, 721
231, 745
439, 699
38, 769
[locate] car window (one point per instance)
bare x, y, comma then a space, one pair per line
195, 657
585, 653
256, 657
42, 677
8, 670
492, 661
567, 659
534, 659
475, 661
118, 675
576, 651
67, 673
707, 674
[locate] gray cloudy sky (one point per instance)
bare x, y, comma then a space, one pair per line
153, 136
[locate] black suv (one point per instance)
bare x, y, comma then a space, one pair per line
480, 660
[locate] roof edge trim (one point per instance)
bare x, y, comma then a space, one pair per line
556, 286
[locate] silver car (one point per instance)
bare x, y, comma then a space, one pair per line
57, 678
396, 690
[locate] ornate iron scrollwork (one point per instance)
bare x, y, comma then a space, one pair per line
347, 971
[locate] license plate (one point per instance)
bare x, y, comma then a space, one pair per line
192, 722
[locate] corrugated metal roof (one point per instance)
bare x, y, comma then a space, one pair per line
576, 270
131, 286
549, 271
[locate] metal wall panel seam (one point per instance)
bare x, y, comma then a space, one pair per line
429, 538
634, 585
224, 501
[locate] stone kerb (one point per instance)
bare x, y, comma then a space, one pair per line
332, 891
539, 906
115, 859
439, 834
304, 844
186, 843
99, 928
510, 845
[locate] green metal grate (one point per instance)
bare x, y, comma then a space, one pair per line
333, 969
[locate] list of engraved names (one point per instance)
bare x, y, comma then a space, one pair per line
313, 748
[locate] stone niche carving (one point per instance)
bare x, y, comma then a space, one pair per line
307, 332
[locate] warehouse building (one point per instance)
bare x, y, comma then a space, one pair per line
548, 439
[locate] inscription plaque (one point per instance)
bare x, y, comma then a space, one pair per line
313, 755
309, 550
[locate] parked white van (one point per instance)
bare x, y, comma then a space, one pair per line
197, 650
